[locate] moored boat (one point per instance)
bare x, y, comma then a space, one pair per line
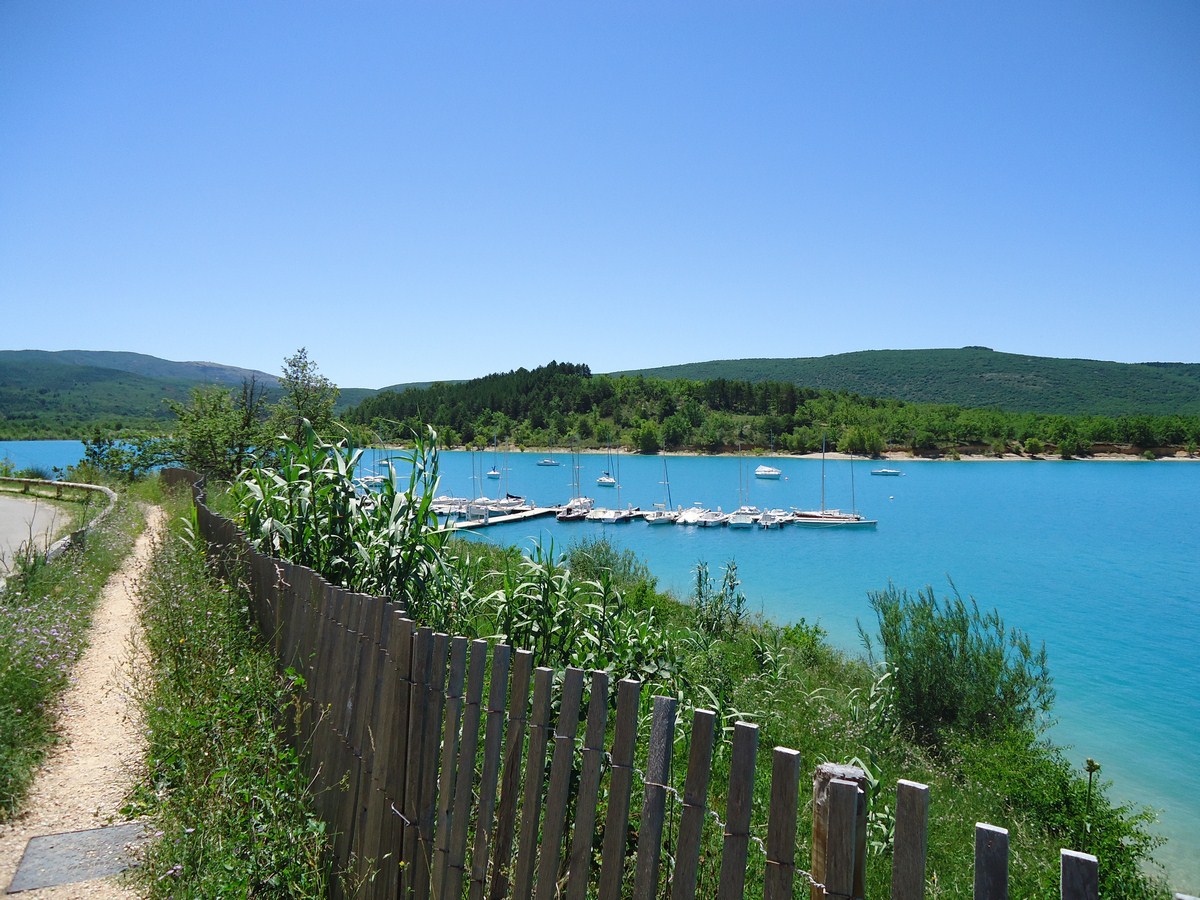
765, 471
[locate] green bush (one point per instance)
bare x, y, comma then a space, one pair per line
955, 668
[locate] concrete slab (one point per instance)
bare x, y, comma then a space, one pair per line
55, 859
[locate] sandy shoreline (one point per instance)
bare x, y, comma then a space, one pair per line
888, 456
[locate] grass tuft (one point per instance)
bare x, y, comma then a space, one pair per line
224, 787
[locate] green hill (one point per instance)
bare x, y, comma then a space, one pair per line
68, 392
974, 377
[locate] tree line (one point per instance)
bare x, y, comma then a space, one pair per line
564, 404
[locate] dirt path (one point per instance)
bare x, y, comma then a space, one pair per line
87, 775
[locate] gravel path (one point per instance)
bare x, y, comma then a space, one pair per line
88, 774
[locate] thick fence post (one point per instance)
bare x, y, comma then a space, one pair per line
695, 804
732, 883
911, 841
828, 843
991, 862
781, 825
658, 778
843, 800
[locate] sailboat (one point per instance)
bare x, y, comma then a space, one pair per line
577, 507
831, 517
662, 514
614, 515
745, 515
606, 478
494, 471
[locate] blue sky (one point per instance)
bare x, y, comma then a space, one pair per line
442, 190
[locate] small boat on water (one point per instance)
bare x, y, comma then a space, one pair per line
549, 461
712, 518
691, 516
660, 515
744, 517
765, 471
607, 516
886, 472
606, 480
576, 510
829, 517
774, 518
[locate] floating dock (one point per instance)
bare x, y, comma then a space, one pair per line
523, 516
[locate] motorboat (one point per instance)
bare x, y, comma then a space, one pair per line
576, 509
660, 515
765, 471
886, 472
774, 518
548, 461
743, 517
712, 518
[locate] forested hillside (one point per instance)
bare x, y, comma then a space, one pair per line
563, 404
71, 393
975, 377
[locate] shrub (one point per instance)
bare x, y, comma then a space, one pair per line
956, 668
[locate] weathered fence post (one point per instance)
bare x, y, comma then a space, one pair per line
843, 800
396, 774
658, 777
456, 854
510, 781
616, 825
1079, 876
910, 842
843, 842
732, 880
579, 861
781, 825
418, 709
448, 777
695, 804
991, 862
501, 661
535, 779
562, 764
435, 699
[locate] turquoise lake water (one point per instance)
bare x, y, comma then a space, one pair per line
1101, 560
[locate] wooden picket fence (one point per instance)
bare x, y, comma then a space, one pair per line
439, 770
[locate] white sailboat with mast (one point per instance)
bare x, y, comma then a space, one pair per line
832, 517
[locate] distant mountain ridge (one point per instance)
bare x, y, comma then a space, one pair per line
974, 377
139, 364
67, 392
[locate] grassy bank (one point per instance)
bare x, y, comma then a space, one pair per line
45, 612
953, 699
223, 787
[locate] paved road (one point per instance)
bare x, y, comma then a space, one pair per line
22, 520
